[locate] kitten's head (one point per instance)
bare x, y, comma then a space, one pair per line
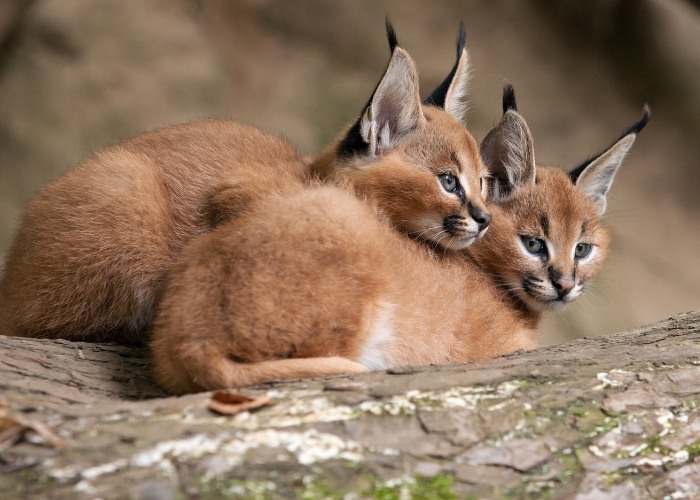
546, 239
417, 162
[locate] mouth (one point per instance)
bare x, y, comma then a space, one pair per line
460, 233
534, 293
537, 297
539, 303
553, 304
451, 237
459, 242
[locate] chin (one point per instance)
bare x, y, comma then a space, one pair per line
553, 305
542, 305
458, 243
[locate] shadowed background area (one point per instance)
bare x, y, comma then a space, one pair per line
77, 75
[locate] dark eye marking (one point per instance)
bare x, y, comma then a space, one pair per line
455, 160
544, 224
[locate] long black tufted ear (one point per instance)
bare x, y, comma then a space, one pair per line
595, 176
509, 97
452, 92
393, 111
391, 35
508, 152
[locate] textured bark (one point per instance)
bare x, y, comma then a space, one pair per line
613, 416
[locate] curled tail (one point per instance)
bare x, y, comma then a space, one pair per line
194, 373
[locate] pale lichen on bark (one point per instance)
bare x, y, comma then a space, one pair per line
614, 416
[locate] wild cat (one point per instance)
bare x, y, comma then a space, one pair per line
547, 238
314, 284
93, 247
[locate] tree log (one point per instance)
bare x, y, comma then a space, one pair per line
601, 417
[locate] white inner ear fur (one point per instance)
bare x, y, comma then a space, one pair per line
596, 178
456, 103
395, 109
520, 166
367, 130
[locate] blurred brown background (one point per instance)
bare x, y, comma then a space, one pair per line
76, 75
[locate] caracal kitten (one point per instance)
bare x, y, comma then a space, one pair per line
94, 246
546, 238
315, 284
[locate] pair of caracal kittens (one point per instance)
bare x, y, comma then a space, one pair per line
241, 263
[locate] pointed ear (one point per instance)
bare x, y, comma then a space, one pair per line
393, 111
452, 92
595, 176
508, 152
395, 108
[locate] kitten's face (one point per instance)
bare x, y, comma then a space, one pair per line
430, 184
417, 163
546, 242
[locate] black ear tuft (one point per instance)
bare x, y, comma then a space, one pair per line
509, 97
633, 129
461, 38
391, 35
393, 111
637, 126
437, 97
353, 142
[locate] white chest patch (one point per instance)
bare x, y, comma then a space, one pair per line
374, 354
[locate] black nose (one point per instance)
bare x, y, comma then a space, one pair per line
482, 217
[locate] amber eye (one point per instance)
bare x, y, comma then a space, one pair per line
533, 245
582, 250
448, 182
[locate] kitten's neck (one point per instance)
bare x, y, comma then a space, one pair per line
324, 166
529, 315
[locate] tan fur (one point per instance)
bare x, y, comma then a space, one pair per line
404, 183
314, 275
93, 246
331, 274
314, 284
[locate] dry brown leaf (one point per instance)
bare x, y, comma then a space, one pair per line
14, 427
10, 433
232, 402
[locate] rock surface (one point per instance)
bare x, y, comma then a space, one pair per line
604, 417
